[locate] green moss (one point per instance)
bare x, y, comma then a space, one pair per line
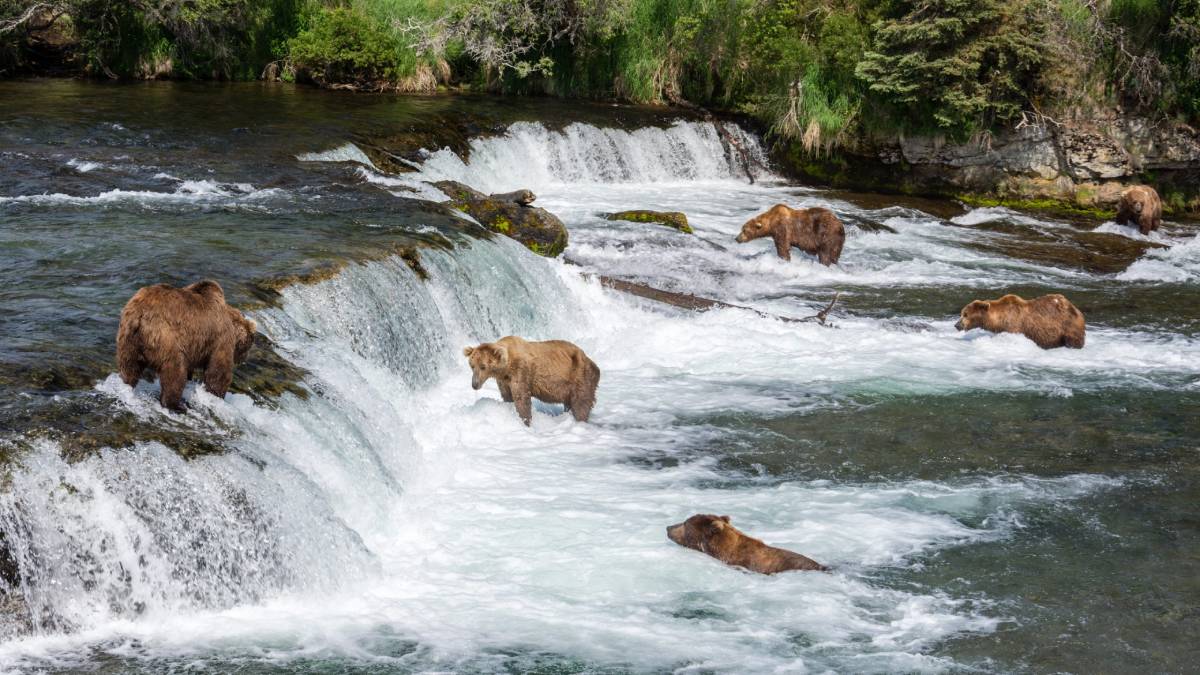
672, 219
1054, 206
501, 225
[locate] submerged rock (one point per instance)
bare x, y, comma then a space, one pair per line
672, 219
537, 229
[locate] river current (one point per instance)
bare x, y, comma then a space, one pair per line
985, 505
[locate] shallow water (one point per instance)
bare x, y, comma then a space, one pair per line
985, 505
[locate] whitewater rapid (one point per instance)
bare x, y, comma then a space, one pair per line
398, 504
396, 518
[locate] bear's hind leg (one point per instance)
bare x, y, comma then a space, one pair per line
130, 365
218, 374
582, 401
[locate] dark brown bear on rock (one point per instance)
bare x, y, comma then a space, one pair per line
1140, 207
816, 231
175, 331
554, 371
1050, 321
716, 537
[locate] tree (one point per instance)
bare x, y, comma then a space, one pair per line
962, 64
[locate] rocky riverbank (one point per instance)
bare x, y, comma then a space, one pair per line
1070, 166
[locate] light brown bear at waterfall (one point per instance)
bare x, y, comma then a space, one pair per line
715, 536
554, 371
1050, 321
1141, 207
816, 231
174, 331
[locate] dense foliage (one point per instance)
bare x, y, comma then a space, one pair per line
811, 70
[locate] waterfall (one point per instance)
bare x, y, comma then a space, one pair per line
531, 155
294, 506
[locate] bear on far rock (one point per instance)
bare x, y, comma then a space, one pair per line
816, 231
1050, 321
1140, 207
554, 371
174, 331
715, 536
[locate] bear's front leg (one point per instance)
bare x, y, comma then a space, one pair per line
505, 390
783, 247
172, 376
523, 398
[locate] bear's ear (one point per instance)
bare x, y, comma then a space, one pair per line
724, 518
502, 352
468, 351
251, 326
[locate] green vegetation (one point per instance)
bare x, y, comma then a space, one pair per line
816, 73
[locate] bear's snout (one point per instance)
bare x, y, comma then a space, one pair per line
741, 238
958, 326
675, 533
476, 382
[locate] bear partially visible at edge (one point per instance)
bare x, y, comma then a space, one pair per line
554, 371
1141, 207
1050, 321
715, 536
816, 231
174, 331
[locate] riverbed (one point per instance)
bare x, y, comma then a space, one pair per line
984, 504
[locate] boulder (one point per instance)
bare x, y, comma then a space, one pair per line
536, 228
672, 219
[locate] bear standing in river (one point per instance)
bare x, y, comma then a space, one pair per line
1141, 207
1050, 321
716, 537
554, 371
177, 330
816, 231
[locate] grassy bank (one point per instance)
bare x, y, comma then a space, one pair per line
817, 76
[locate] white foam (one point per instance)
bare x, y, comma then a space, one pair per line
396, 503
1131, 232
991, 214
347, 152
1179, 263
199, 192
403, 185
84, 166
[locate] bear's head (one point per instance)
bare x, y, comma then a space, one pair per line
1139, 203
701, 532
246, 328
754, 228
973, 315
487, 360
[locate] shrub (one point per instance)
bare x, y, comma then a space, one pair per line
343, 44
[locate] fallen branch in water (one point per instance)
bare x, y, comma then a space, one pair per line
697, 303
823, 314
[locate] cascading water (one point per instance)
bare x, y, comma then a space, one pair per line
395, 519
397, 499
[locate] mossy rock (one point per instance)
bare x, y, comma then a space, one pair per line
537, 229
673, 219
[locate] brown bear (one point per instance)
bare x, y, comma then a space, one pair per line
177, 330
1141, 207
816, 231
554, 371
715, 536
1050, 321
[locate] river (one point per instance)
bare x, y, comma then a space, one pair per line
354, 506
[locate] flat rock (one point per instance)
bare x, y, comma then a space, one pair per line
673, 219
